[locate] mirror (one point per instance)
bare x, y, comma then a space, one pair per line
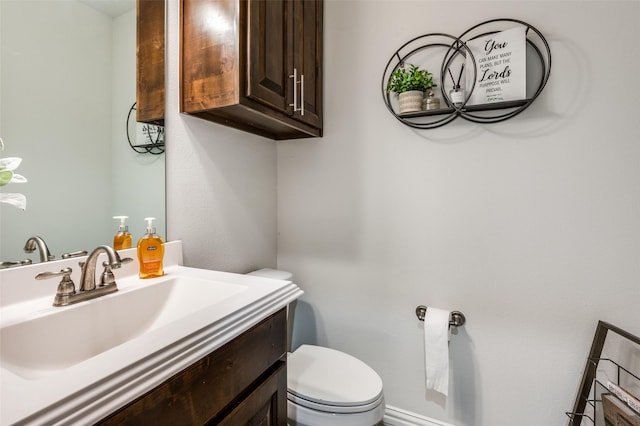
67, 83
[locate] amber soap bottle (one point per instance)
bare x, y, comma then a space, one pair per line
122, 240
151, 252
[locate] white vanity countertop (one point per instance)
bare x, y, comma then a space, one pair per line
92, 389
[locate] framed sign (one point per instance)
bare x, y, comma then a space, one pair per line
501, 67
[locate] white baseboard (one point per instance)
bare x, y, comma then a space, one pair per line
395, 416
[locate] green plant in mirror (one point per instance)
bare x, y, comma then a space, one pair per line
414, 78
7, 175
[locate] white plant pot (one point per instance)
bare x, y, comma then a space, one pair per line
410, 101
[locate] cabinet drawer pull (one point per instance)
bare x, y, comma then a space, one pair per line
295, 92
301, 94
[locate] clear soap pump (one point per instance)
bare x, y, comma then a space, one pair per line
151, 252
122, 239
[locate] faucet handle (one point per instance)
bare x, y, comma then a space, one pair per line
11, 263
74, 254
107, 275
66, 274
66, 287
118, 263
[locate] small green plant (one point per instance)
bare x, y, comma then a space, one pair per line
403, 80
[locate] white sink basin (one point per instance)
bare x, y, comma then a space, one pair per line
66, 336
75, 365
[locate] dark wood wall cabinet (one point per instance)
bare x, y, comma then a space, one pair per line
150, 61
254, 65
242, 383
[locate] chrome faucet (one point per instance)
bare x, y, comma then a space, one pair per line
35, 241
66, 293
88, 277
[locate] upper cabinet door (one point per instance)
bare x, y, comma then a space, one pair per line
307, 58
285, 49
270, 53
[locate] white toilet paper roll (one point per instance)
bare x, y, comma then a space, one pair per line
436, 349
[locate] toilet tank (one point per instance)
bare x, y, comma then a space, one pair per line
282, 275
272, 273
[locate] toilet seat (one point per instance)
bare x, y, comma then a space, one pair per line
337, 409
331, 381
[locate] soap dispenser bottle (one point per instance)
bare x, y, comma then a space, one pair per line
151, 252
122, 239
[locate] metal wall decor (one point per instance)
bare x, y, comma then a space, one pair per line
454, 50
153, 142
614, 354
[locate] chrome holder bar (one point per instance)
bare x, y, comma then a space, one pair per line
457, 318
296, 81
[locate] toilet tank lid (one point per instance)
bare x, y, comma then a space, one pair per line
272, 273
331, 377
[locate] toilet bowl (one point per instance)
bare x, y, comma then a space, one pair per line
329, 387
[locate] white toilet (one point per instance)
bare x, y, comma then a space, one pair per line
329, 387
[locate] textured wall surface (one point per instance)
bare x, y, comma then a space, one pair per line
221, 183
530, 227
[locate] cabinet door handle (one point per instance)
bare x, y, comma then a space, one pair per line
295, 91
301, 94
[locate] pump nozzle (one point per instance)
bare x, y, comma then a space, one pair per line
122, 219
150, 228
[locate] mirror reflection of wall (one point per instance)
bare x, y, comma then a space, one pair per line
67, 82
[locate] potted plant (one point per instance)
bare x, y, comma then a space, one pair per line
410, 85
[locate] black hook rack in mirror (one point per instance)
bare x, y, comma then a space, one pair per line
154, 135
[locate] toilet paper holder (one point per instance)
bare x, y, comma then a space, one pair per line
457, 318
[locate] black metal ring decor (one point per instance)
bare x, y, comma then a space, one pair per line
155, 144
457, 48
413, 46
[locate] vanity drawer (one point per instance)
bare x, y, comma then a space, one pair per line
214, 384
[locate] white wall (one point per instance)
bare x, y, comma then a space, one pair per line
221, 183
530, 227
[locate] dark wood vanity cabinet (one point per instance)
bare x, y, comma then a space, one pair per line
243, 382
150, 61
239, 59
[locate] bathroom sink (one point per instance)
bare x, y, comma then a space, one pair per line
77, 364
66, 336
